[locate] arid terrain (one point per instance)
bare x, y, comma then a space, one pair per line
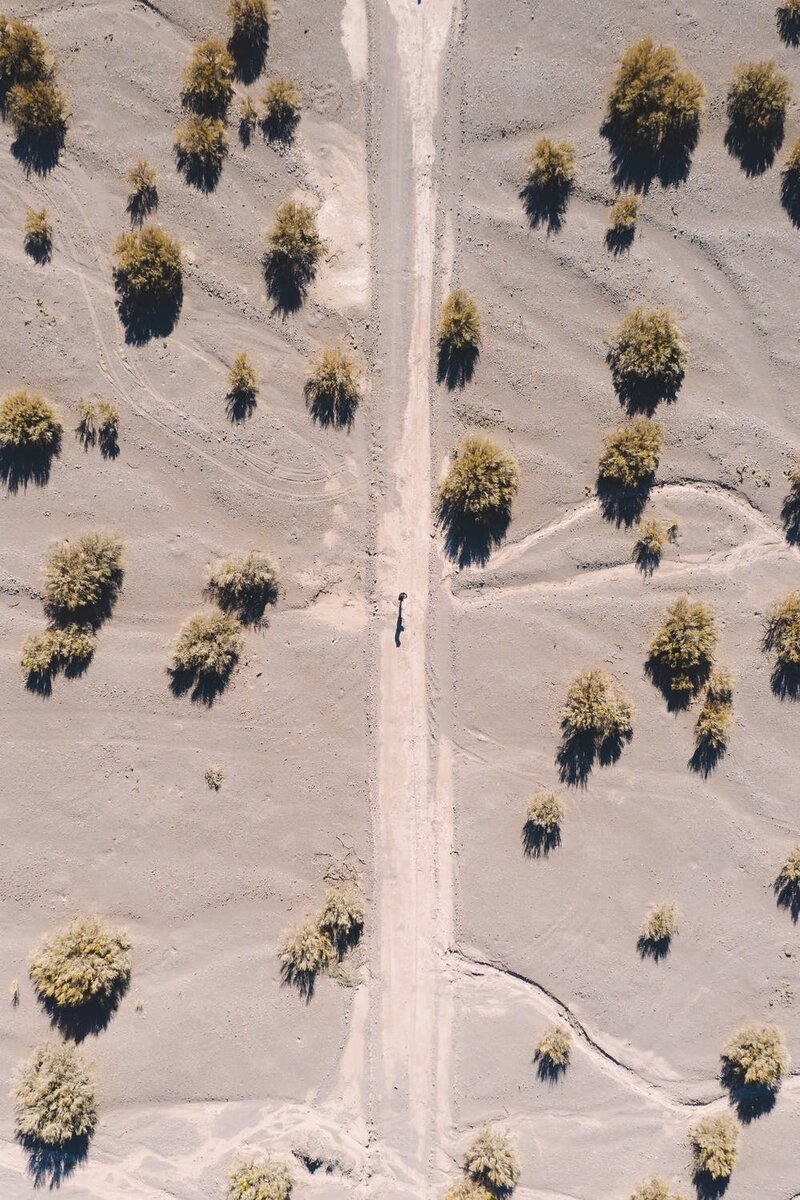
349, 746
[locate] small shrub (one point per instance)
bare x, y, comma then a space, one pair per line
293, 249
248, 118
781, 628
482, 481
681, 653
654, 1189
342, 918
207, 649
67, 648
332, 389
83, 577
242, 386
214, 778
757, 101
647, 358
305, 952
788, 15
649, 545
714, 1143
756, 1056
550, 180
624, 213
282, 102
245, 584
84, 963
658, 929
714, 719
787, 884
653, 102
208, 79
259, 1179
38, 235
148, 266
459, 339
553, 1051
631, 454
143, 196
542, 830
491, 1159
467, 1189
23, 54
54, 1099
201, 145
28, 424
596, 707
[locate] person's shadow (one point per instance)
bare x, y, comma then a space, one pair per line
400, 626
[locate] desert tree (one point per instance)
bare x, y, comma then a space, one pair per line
787, 883
206, 651
622, 219
553, 1051
38, 235
681, 654
714, 1143
30, 437
541, 832
459, 339
259, 1179
54, 1098
23, 55
281, 109
143, 192
658, 929
244, 584
80, 973
249, 37
332, 388
208, 79
83, 577
67, 647
201, 145
651, 538
305, 951
475, 498
788, 18
626, 470
549, 182
754, 1062
647, 358
39, 113
148, 277
596, 721
653, 115
757, 100
491, 1159
782, 638
292, 252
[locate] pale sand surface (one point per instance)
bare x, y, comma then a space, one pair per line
410, 765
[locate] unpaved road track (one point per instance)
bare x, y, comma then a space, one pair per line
407, 43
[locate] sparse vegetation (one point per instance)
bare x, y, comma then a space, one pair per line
332, 389
342, 917
492, 1160
143, 196
647, 358
652, 537
208, 648
214, 778
781, 629
87, 962
28, 424
282, 102
201, 145
259, 1179
38, 235
757, 101
148, 267
208, 79
681, 654
756, 1056
653, 102
631, 454
714, 1143
305, 952
83, 577
543, 819
482, 481
54, 1099
553, 1051
245, 584
714, 719
242, 386
596, 708
293, 249
658, 929
67, 648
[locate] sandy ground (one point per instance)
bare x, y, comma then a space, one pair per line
410, 764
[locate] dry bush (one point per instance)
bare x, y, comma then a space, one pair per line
647, 358
624, 213
83, 577
756, 1056
658, 929
553, 1051
654, 1188
341, 920
54, 1099
248, 118
757, 101
207, 649
99, 420
713, 721
542, 831
652, 537
259, 1179
67, 648
491, 1159
143, 196
781, 628
23, 55
208, 79
714, 1143
282, 100
306, 951
631, 454
214, 777
596, 707
28, 424
87, 962
38, 111
482, 481
148, 267
681, 654
201, 145
38, 235
552, 166
653, 101
787, 884
459, 324
332, 389
293, 248
245, 584
467, 1189
242, 387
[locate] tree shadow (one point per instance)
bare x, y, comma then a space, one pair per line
537, 841
145, 318
787, 893
50, 1165
755, 150
249, 611
245, 131
287, 283
636, 164
303, 982
84, 1020
469, 542
240, 403
788, 20
619, 240
39, 153
141, 204
546, 205
664, 678
108, 442
579, 752
644, 398
547, 1070
654, 948
204, 686
455, 367
790, 194
785, 681
249, 54
330, 409
198, 172
706, 756
39, 249
40, 683
280, 128
20, 467
708, 1186
623, 505
646, 558
751, 1100
790, 516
